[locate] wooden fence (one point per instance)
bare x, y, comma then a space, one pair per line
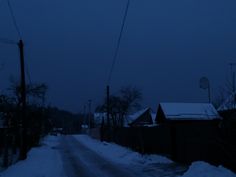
182, 142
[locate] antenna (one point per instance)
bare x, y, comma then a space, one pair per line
205, 84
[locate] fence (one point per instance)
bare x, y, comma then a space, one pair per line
182, 142
9, 147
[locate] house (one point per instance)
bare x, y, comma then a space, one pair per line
99, 117
144, 117
168, 112
191, 130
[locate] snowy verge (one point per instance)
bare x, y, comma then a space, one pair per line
203, 169
43, 161
119, 154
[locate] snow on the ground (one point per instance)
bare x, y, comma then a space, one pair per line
43, 161
119, 154
203, 169
124, 155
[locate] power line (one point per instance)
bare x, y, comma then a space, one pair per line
1, 2
118, 42
7, 41
14, 19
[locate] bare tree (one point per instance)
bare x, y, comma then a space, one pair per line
131, 98
35, 93
220, 97
127, 100
226, 96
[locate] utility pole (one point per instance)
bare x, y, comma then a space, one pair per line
233, 75
232, 72
23, 149
209, 93
89, 115
108, 106
84, 116
108, 115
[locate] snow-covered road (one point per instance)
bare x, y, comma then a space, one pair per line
82, 156
79, 160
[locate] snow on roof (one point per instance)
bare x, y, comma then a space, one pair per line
137, 114
196, 111
130, 118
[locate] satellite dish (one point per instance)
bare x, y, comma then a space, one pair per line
204, 83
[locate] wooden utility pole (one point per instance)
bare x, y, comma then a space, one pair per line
232, 72
108, 106
108, 115
84, 117
89, 113
232, 75
23, 148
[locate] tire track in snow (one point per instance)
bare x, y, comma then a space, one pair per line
79, 161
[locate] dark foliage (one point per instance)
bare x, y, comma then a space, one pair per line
11, 128
68, 122
127, 100
36, 93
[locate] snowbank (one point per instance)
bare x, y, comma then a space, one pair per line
43, 161
123, 155
119, 154
203, 169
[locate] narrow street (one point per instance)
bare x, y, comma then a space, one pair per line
79, 161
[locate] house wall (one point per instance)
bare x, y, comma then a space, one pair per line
193, 140
229, 125
160, 117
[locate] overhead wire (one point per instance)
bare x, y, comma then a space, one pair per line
1, 2
118, 42
14, 19
7, 41
19, 34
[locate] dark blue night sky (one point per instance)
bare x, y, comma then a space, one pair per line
167, 46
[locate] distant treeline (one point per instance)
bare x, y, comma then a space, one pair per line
69, 123
40, 121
